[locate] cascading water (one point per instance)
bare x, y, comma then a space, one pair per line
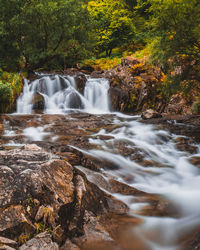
169, 174
60, 94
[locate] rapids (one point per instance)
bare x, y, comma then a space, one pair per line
168, 174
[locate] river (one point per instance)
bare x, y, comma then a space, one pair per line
143, 157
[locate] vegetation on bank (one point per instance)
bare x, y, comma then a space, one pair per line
10, 88
47, 34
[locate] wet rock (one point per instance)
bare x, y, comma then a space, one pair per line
30, 173
38, 101
80, 82
195, 160
185, 144
119, 98
150, 113
42, 241
5, 247
73, 99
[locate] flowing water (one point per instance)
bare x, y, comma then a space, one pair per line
61, 95
169, 173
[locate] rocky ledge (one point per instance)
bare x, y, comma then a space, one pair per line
48, 204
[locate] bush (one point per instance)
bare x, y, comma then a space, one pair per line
10, 88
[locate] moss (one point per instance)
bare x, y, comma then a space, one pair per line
102, 63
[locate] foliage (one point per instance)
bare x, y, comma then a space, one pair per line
175, 28
114, 24
10, 89
36, 32
103, 63
196, 106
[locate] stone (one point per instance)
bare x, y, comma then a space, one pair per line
69, 246
38, 101
80, 82
93, 232
13, 220
58, 235
150, 113
35, 173
42, 241
8, 242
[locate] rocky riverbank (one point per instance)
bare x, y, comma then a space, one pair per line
55, 196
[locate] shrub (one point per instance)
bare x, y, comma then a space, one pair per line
10, 88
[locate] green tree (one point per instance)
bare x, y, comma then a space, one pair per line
35, 32
175, 28
113, 23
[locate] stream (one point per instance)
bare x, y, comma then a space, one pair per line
141, 156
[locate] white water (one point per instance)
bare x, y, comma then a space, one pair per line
61, 95
176, 180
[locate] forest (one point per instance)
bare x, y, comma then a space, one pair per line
54, 35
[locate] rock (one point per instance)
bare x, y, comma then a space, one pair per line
7, 242
33, 173
38, 101
93, 232
73, 99
58, 235
34, 178
14, 220
150, 113
80, 82
69, 246
42, 241
177, 105
119, 98
195, 160
5, 247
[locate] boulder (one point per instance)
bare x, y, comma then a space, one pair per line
119, 98
34, 185
150, 113
80, 82
38, 101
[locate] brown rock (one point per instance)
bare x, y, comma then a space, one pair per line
42, 241
80, 82
150, 113
13, 220
69, 246
7, 242
38, 102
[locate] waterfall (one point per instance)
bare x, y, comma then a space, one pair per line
60, 94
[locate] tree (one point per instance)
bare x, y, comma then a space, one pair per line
113, 23
36, 32
175, 28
